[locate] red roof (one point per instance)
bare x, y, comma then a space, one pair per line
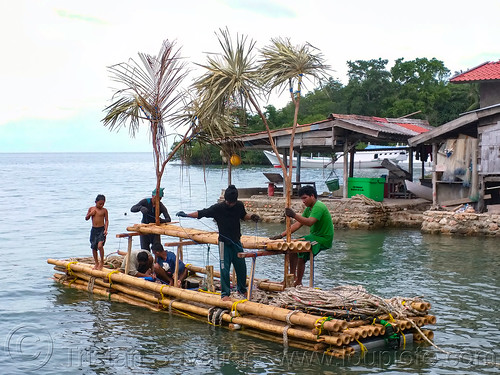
484, 72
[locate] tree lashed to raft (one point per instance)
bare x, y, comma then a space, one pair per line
298, 317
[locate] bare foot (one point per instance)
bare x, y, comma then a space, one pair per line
100, 265
96, 266
226, 298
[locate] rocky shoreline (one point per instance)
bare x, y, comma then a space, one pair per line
360, 212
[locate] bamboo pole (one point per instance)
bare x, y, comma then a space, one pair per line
278, 313
248, 242
261, 284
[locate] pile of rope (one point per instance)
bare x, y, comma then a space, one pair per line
345, 301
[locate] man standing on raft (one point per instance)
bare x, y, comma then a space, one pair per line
318, 218
147, 208
227, 215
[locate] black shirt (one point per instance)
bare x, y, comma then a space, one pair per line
227, 219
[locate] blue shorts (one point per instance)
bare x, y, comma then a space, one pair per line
96, 236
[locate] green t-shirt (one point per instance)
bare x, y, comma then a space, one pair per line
322, 230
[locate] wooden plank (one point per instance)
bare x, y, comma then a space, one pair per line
454, 202
126, 235
169, 244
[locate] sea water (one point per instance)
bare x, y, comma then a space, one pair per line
50, 329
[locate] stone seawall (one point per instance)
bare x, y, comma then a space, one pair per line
357, 212
461, 223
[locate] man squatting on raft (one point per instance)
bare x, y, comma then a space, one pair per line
165, 265
227, 215
318, 218
147, 207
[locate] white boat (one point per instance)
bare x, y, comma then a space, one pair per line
371, 157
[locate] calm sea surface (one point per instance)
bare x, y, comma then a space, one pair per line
49, 329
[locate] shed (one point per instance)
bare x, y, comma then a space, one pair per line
338, 133
466, 151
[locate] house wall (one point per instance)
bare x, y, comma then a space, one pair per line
489, 94
489, 146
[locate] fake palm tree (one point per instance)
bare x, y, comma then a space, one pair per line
285, 66
235, 75
149, 95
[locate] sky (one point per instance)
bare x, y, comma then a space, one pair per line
54, 82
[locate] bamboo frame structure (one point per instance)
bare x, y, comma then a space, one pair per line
291, 327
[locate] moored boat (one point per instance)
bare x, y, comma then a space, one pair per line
371, 157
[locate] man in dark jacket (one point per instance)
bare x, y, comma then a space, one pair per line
227, 215
147, 207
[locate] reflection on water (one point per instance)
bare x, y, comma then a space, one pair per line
47, 195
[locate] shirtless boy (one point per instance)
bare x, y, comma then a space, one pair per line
99, 229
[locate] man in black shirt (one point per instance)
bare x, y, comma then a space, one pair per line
227, 215
147, 207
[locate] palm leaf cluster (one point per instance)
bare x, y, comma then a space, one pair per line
284, 64
148, 93
230, 80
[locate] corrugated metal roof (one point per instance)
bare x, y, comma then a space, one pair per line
485, 72
404, 126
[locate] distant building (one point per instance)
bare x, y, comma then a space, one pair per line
487, 75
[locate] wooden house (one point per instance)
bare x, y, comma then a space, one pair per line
466, 151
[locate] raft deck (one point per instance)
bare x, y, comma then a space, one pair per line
337, 322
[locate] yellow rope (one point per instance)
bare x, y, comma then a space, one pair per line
207, 291
319, 322
404, 340
109, 276
68, 268
391, 318
235, 305
161, 292
362, 347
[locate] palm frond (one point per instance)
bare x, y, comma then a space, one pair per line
228, 76
283, 64
149, 91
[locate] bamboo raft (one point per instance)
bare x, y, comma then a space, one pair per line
283, 315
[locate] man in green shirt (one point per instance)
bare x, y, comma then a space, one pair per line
318, 218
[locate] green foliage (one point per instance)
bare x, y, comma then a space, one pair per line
419, 87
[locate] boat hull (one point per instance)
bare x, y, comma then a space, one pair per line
362, 160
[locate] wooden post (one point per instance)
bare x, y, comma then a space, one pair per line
210, 278
434, 175
179, 253
127, 259
311, 269
252, 274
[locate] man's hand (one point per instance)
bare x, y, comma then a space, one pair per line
289, 212
144, 210
277, 237
181, 214
255, 218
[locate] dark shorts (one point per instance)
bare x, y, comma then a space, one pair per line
96, 236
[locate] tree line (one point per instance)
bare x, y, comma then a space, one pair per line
419, 88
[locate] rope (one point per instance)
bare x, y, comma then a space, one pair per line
68, 268
285, 336
288, 316
170, 306
235, 306
346, 301
109, 276
362, 347
90, 286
